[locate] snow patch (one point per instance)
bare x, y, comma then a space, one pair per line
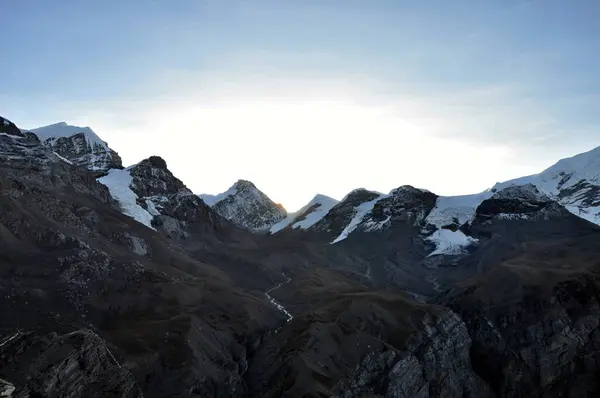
449, 209
63, 159
322, 204
118, 182
449, 242
371, 225
212, 200
360, 212
12, 136
152, 208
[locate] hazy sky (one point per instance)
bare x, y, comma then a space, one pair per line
313, 96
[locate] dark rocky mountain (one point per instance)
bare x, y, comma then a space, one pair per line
126, 284
246, 206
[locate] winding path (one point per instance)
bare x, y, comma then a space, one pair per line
275, 303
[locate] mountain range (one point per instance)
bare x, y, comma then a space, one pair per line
121, 281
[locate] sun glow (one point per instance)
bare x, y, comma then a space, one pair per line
293, 149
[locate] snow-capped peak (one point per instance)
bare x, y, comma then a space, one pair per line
63, 130
308, 215
245, 205
79, 145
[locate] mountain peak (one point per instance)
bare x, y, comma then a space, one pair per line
246, 206
243, 184
308, 215
79, 145
155, 161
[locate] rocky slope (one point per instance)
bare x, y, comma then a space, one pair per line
79, 145
69, 259
246, 206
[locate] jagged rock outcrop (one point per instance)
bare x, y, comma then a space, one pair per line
151, 177
246, 206
405, 204
518, 202
76, 364
434, 363
79, 145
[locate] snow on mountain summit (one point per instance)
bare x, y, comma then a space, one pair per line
308, 215
246, 206
574, 182
79, 145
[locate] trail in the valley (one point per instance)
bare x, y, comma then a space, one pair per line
275, 302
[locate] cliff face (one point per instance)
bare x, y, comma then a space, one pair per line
76, 364
434, 363
538, 340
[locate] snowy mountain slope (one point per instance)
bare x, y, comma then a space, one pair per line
211, 200
574, 182
246, 206
79, 145
152, 195
118, 183
360, 212
368, 211
308, 215
341, 215
456, 210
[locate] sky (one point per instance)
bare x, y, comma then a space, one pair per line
313, 96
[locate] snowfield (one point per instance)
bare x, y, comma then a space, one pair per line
325, 203
449, 242
118, 182
360, 212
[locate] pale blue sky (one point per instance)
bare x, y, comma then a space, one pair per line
313, 96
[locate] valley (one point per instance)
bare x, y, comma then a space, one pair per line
122, 282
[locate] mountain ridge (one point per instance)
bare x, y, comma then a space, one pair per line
194, 305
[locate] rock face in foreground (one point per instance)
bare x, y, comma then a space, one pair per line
435, 363
77, 364
538, 336
369, 345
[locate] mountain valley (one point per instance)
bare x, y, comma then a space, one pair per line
122, 282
